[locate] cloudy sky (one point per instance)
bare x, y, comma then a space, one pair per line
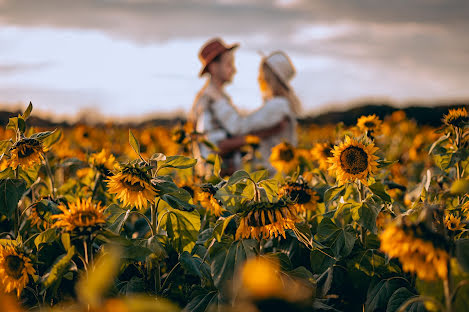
128, 58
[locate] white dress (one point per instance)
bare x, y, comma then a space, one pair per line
271, 113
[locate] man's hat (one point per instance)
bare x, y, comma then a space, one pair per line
211, 50
281, 65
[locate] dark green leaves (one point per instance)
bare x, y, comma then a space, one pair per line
11, 191
225, 262
340, 240
462, 253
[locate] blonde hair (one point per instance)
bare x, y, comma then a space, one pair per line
272, 86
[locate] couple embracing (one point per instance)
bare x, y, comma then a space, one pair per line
214, 115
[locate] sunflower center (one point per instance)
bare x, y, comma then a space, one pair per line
354, 160
14, 266
286, 154
134, 187
301, 196
25, 151
370, 124
86, 218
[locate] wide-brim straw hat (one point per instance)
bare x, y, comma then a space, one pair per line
281, 65
210, 50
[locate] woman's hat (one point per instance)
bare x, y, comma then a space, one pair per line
211, 50
281, 65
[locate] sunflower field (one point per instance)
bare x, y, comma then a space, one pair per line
372, 217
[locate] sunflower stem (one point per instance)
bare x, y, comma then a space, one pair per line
16, 217
447, 289
97, 181
85, 250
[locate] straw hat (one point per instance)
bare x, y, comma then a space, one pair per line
210, 50
281, 65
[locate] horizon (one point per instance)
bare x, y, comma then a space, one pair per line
134, 58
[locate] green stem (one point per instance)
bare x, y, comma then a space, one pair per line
97, 181
154, 217
169, 275
16, 217
447, 289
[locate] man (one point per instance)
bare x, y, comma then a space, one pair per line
213, 112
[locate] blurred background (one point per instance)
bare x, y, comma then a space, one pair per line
128, 59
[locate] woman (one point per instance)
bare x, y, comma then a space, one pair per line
280, 102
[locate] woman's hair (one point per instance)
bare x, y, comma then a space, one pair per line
278, 88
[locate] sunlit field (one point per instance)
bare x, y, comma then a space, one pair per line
369, 217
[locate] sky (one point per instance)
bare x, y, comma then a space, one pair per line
138, 58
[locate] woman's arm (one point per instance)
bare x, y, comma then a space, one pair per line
234, 143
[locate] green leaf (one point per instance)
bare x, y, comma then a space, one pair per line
134, 143
321, 260
462, 253
380, 293
5, 146
158, 157
460, 187
365, 215
179, 162
238, 176
270, 187
194, 265
58, 269
177, 203
378, 189
118, 220
45, 237
220, 227
11, 191
52, 138
226, 262
28, 111
203, 300
259, 175
182, 227
333, 193
65, 238
340, 240
399, 297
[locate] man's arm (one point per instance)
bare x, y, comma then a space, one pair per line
234, 143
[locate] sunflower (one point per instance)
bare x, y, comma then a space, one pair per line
264, 219
132, 186
353, 160
41, 212
456, 117
416, 254
26, 153
453, 223
80, 217
205, 198
305, 197
370, 123
261, 278
252, 140
103, 161
15, 267
284, 157
320, 153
